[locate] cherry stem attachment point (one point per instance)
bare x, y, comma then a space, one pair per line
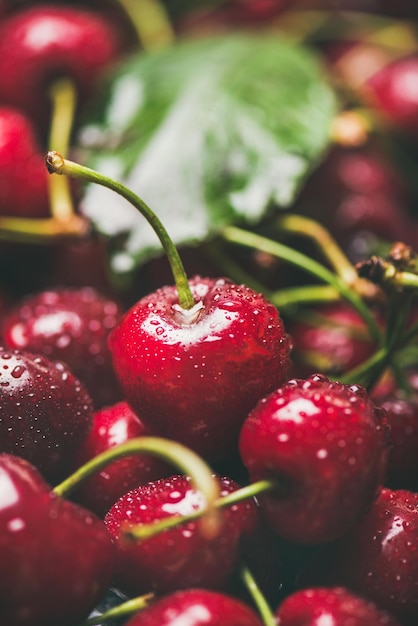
56, 164
125, 609
181, 457
145, 531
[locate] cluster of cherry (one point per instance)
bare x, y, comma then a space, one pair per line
211, 459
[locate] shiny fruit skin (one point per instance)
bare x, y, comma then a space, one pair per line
196, 607
45, 411
23, 176
326, 445
180, 557
377, 558
113, 426
330, 605
56, 558
70, 325
195, 381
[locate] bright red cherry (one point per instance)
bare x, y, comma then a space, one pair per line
56, 559
45, 411
326, 445
113, 426
194, 375
180, 557
196, 607
39, 44
377, 558
333, 606
23, 180
69, 325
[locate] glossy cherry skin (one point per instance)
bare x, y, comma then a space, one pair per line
45, 411
112, 426
378, 558
69, 325
195, 380
196, 607
40, 44
335, 606
23, 180
56, 558
392, 91
180, 557
326, 445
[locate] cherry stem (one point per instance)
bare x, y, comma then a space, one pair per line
288, 298
151, 23
125, 609
145, 531
187, 461
260, 601
258, 242
63, 97
56, 164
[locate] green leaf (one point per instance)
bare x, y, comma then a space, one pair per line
209, 133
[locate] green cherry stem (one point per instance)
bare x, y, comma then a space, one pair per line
125, 609
258, 242
145, 531
151, 23
181, 457
56, 164
260, 601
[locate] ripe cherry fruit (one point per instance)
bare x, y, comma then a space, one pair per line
56, 557
326, 445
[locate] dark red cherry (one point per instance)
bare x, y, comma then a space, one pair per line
194, 375
180, 557
69, 325
112, 426
56, 559
326, 446
196, 607
333, 606
39, 44
377, 558
45, 411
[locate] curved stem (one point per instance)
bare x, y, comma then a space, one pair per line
252, 240
145, 531
151, 23
56, 164
125, 609
261, 603
187, 462
288, 298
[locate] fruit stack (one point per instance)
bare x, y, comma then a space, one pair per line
208, 313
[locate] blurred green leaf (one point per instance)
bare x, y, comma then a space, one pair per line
209, 132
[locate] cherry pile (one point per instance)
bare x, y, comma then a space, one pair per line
196, 448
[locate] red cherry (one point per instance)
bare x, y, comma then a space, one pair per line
196, 607
331, 339
23, 179
39, 44
56, 558
69, 325
330, 605
194, 375
113, 426
179, 557
393, 92
45, 411
326, 445
378, 558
